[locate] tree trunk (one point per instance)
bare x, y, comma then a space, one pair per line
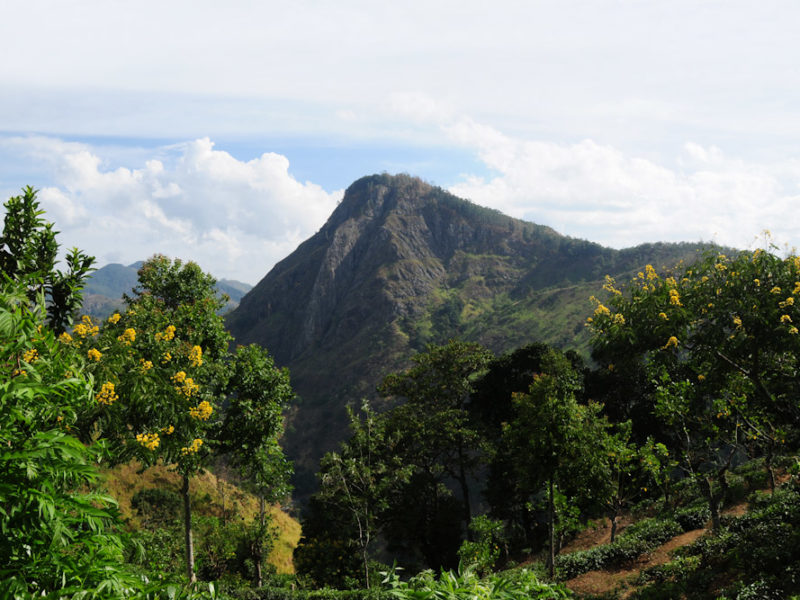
259, 559
551, 559
462, 480
187, 527
770, 470
714, 500
613, 519
366, 567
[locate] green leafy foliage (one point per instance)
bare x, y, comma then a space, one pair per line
485, 546
632, 543
464, 584
28, 254
719, 347
559, 444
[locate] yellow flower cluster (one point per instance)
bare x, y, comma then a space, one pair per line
187, 385
148, 440
146, 364
106, 395
202, 411
786, 319
196, 356
672, 342
663, 315
30, 356
601, 310
128, 336
720, 267
701, 378
113, 319
675, 298
619, 319
193, 448
86, 327
19, 372
775, 290
793, 330
737, 320
65, 338
670, 281
651, 272
796, 289
788, 302
167, 430
94, 354
609, 285
168, 334
166, 357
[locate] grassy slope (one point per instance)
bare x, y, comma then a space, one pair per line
209, 493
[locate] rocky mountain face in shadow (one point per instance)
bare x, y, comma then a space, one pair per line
400, 264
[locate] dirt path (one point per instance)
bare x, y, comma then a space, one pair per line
600, 582
596, 536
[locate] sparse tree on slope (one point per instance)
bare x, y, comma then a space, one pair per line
558, 444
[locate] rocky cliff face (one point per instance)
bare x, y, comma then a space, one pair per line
399, 264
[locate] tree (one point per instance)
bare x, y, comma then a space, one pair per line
437, 389
491, 406
558, 444
258, 392
162, 372
28, 252
720, 347
363, 477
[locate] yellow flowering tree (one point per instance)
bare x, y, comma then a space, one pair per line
161, 372
715, 348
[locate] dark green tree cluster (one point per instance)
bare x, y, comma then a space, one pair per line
411, 489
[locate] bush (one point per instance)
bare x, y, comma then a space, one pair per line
632, 543
484, 552
156, 507
693, 518
281, 593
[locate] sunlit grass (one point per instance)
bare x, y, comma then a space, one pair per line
210, 496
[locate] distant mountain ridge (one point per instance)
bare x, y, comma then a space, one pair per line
401, 263
104, 288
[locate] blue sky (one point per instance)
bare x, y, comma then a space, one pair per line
226, 133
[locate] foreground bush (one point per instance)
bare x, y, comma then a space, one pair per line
464, 584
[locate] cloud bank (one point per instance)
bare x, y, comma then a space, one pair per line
189, 201
600, 193
238, 218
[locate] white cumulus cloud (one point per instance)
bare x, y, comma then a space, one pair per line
603, 194
235, 218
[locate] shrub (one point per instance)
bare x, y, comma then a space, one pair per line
633, 542
484, 552
693, 518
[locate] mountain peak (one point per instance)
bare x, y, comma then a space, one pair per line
401, 263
